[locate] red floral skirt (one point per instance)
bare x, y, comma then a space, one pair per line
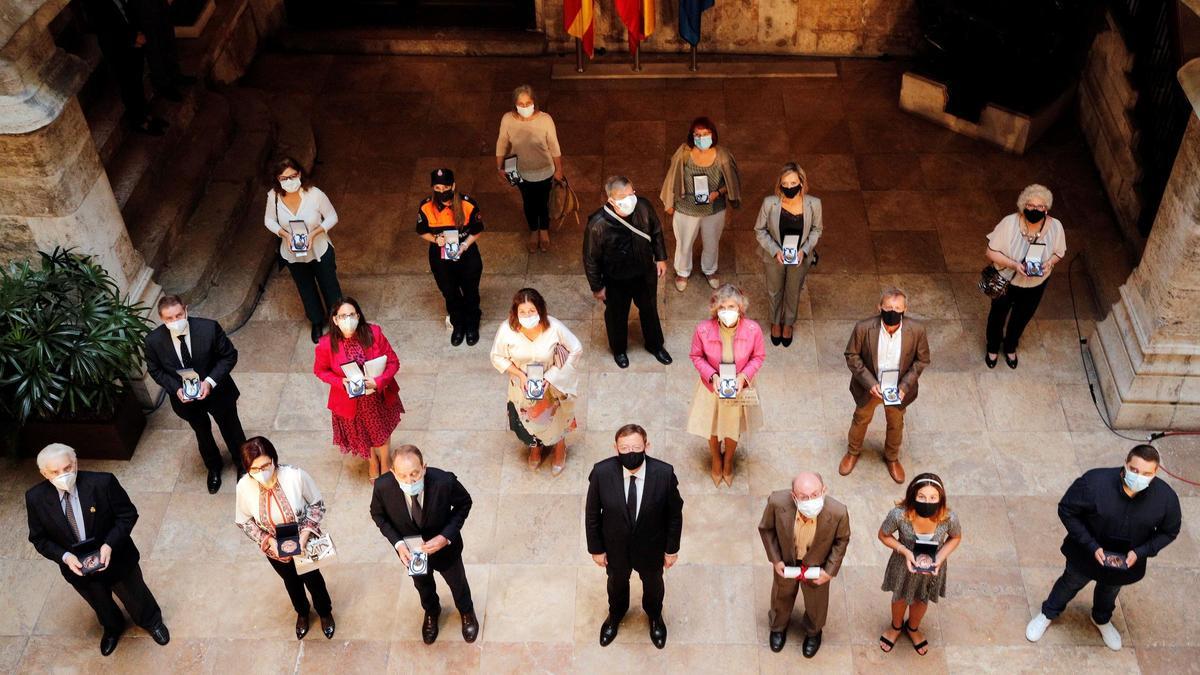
372, 425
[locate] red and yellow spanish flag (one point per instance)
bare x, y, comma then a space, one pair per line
639, 17
579, 20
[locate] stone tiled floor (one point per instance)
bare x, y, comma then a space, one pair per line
905, 203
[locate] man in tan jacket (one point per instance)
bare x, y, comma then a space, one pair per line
887, 342
803, 528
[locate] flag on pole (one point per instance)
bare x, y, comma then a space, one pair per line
639, 17
689, 19
579, 21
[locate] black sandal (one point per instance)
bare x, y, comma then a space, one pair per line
890, 645
917, 647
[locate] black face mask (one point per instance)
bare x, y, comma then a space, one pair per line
632, 460
1034, 215
926, 509
790, 192
890, 317
444, 197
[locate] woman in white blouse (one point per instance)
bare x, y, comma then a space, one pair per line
293, 198
268, 495
1016, 240
531, 336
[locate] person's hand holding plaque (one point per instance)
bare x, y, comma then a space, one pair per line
434, 545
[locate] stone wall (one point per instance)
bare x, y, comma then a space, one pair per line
1106, 101
822, 27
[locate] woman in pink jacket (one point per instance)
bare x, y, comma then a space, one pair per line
363, 424
728, 337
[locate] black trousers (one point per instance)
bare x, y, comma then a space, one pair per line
456, 578
641, 291
133, 593
126, 63
224, 411
1016, 307
296, 583
458, 280
1104, 600
154, 21
535, 196
653, 590
309, 277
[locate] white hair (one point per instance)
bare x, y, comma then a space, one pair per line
52, 452
1033, 191
615, 183
728, 292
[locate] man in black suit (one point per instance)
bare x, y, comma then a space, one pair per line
413, 500
199, 344
80, 520
634, 518
123, 47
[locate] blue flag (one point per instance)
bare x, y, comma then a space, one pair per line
689, 19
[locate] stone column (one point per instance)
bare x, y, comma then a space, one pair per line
1147, 350
53, 188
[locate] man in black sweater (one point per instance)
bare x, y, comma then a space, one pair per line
1115, 520
623, 257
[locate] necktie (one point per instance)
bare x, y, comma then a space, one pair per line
185, 354
69, 510
415, 511
631, 501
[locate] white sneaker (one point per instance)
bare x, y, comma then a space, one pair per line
1112, 636
1037, 627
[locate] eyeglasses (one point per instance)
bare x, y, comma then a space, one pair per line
805, 498
339, 317
295, 175
260, 469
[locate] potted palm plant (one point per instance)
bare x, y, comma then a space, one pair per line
68, 344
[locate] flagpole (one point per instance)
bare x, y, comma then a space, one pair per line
694, 67
578, 55
637, 59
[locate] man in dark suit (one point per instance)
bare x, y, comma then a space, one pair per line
184, 342
634, 518
81, 518
413, 500
882, 343
804, 528
123, 47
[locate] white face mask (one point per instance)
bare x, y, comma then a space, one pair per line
264, 477
290, 184
810, 508
177, 327
64, 481
626, 205
412, 489
729, 317
529, 322
525, 110
348, 325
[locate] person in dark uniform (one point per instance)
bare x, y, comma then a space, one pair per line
456, 265
623, 257
153, 20
122, 45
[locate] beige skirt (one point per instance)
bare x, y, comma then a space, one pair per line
712, 416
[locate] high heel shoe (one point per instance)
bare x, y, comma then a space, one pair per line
1012, 363
775, 339
990, 360
535, 457
786, 339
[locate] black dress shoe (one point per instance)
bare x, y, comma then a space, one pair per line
456, 337
301, 626
622, 360
608, 631
214, 482
470, 627
1012, 363
429, 628
778, 640
787, 341
160, 634
472, 336
317, 330
776, 340
989, 361
108, 643
662, 356
811, 644
658, 632
327, 626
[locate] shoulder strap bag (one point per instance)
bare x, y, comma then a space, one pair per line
624, 222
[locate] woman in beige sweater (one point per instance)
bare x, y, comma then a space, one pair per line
529, 133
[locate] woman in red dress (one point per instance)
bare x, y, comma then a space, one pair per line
361, 425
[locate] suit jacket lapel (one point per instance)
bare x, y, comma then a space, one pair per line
57, 515
808, 219
87, 504
623, 490
873, 348
907, 347
788, 541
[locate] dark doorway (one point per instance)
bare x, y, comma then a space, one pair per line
495, 14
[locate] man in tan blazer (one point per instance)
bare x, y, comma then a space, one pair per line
803, 528
881, 343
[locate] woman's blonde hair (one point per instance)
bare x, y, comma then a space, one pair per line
791, 167
728, 292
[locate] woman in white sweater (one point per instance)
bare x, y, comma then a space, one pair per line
531, 337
